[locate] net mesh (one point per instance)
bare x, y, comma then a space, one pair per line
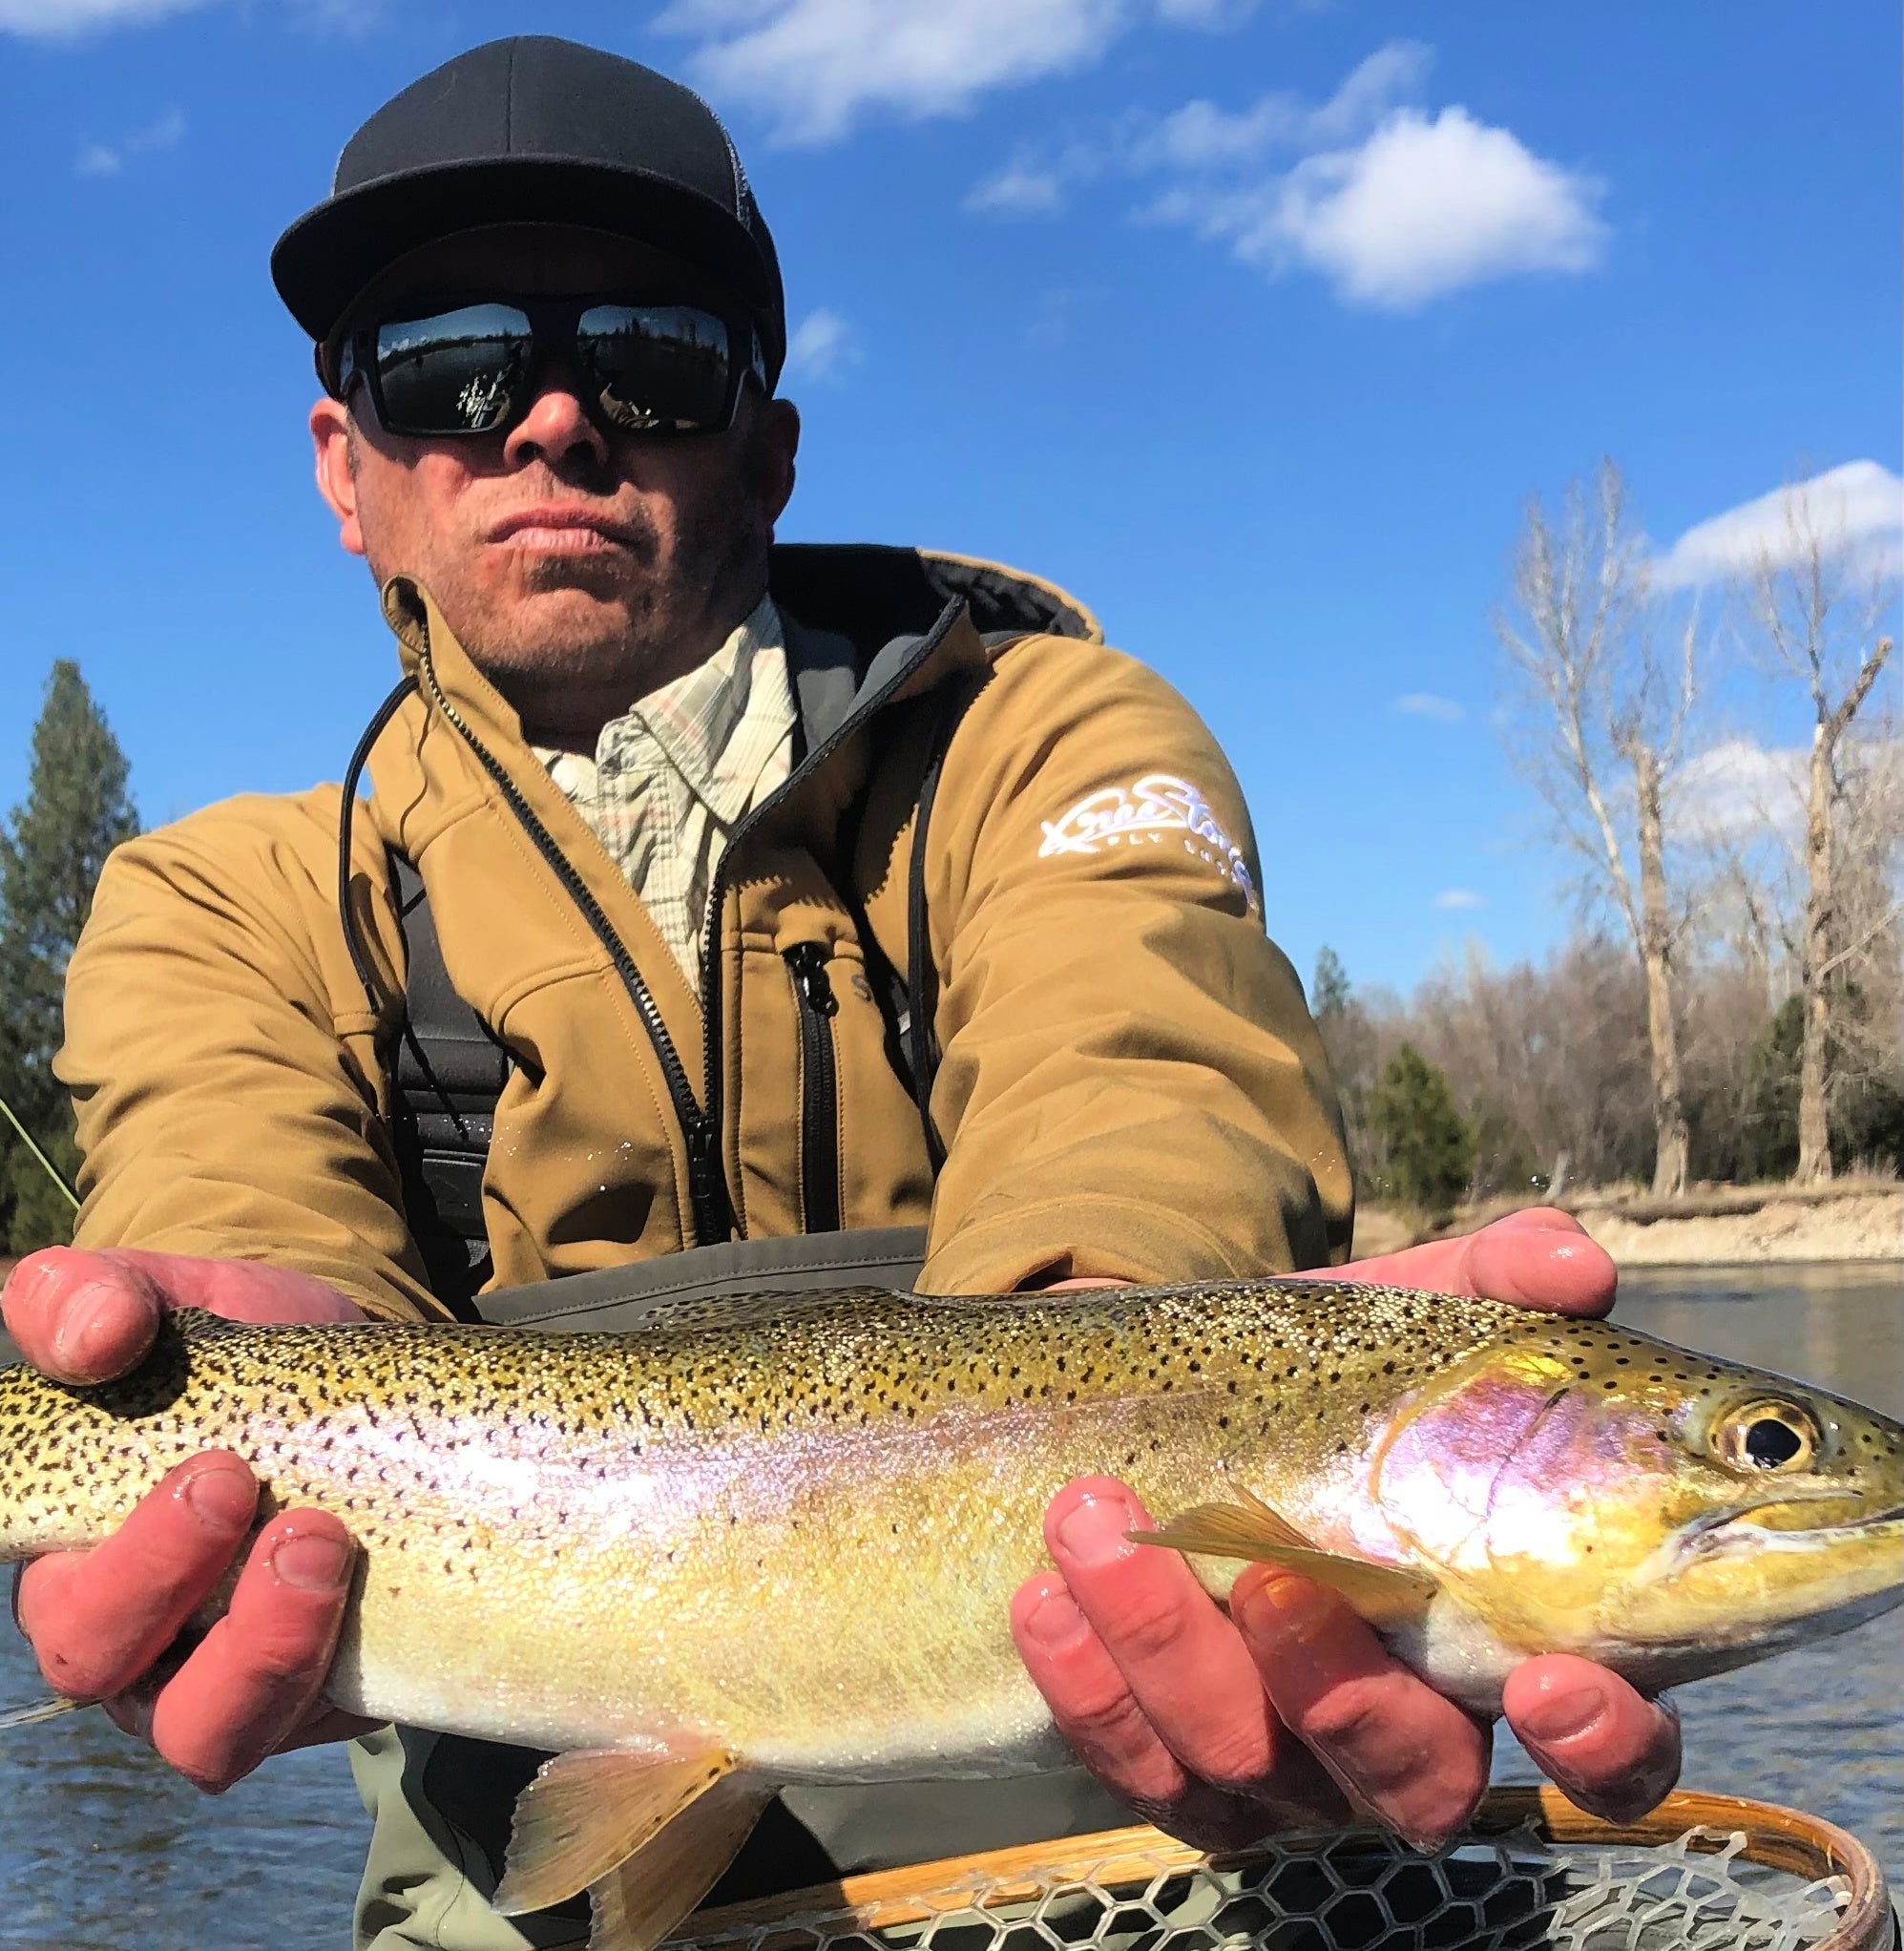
1359, 1891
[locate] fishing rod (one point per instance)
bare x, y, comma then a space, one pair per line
27, 1139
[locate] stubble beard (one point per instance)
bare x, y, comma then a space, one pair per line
588, 636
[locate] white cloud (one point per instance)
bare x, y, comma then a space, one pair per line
1857, 510
1202, 136
68, 19
110, 158
1198, 137
1738, 790
1212, 14
1460, 897
1394, 206
1424, 207
818, 67
1428, 705
1022, 187
822, 346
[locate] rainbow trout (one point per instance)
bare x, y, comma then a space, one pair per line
774, 1540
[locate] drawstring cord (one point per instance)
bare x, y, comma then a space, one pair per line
360, 959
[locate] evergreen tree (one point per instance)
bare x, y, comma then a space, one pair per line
51, 847
1431, 1149
1329, 993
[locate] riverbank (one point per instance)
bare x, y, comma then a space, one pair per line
1849, 1220
1712, 1226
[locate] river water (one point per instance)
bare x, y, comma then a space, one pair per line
101, 1848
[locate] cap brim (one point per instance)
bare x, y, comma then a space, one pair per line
331, 253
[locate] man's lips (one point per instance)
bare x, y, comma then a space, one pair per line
565, 529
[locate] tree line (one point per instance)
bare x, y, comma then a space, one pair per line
1731, 1004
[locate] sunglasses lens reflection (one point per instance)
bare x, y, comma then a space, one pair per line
655, 369
644, 368
456, 372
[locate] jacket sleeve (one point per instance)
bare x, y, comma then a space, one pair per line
1130, 1085
221, 1058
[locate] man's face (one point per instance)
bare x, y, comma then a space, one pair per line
578, 568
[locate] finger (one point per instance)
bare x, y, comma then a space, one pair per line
1542, 1259
1186, 1671
257, 1675
1399, 1749
239, 1290
1615, 1753
80, 1317
1100, 1720
87, 1318
1089, 1698
1539, 1258
131, 1713
98, 1618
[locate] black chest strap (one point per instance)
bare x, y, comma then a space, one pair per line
448, 1073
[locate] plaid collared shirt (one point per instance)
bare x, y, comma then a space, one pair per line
672, 777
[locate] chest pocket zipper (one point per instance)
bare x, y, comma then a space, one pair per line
819, 1088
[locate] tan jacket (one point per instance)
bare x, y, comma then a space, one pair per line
1130, 1082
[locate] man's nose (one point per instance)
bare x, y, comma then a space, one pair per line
557, 428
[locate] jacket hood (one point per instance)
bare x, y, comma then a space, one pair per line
869, 594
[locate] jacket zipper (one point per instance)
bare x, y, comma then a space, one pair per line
865, 708
819, 1089
709, 1219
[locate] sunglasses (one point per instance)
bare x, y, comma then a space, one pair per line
476, 368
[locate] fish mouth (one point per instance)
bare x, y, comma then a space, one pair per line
1732, 1529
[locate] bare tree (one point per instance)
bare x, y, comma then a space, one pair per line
1609, 714
1817, 613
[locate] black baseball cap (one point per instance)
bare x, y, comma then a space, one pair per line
535, 130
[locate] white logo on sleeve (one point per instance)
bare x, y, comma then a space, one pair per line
1146, 813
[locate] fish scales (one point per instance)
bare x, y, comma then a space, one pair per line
776, 1538
721, 1474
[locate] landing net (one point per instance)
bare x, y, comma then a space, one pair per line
1571, 1885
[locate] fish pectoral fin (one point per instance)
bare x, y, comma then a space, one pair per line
640, 1902
588, 1811
1239, 1530
41, 1711
1383, 1594
1273, 1528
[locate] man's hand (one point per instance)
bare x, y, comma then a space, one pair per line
1289, 1711
103, 1622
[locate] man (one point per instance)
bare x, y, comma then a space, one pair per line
736, 854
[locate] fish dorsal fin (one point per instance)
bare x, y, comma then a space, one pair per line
1384, 1595
588, 1811
639, 1903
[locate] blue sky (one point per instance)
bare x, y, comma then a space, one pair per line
1252, 325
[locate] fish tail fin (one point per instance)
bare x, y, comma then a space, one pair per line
639, 1903
40, 1710
587, 1812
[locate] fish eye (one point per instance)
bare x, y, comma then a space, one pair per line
1766, 1435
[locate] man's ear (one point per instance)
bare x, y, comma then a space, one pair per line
334, 439
775, 444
